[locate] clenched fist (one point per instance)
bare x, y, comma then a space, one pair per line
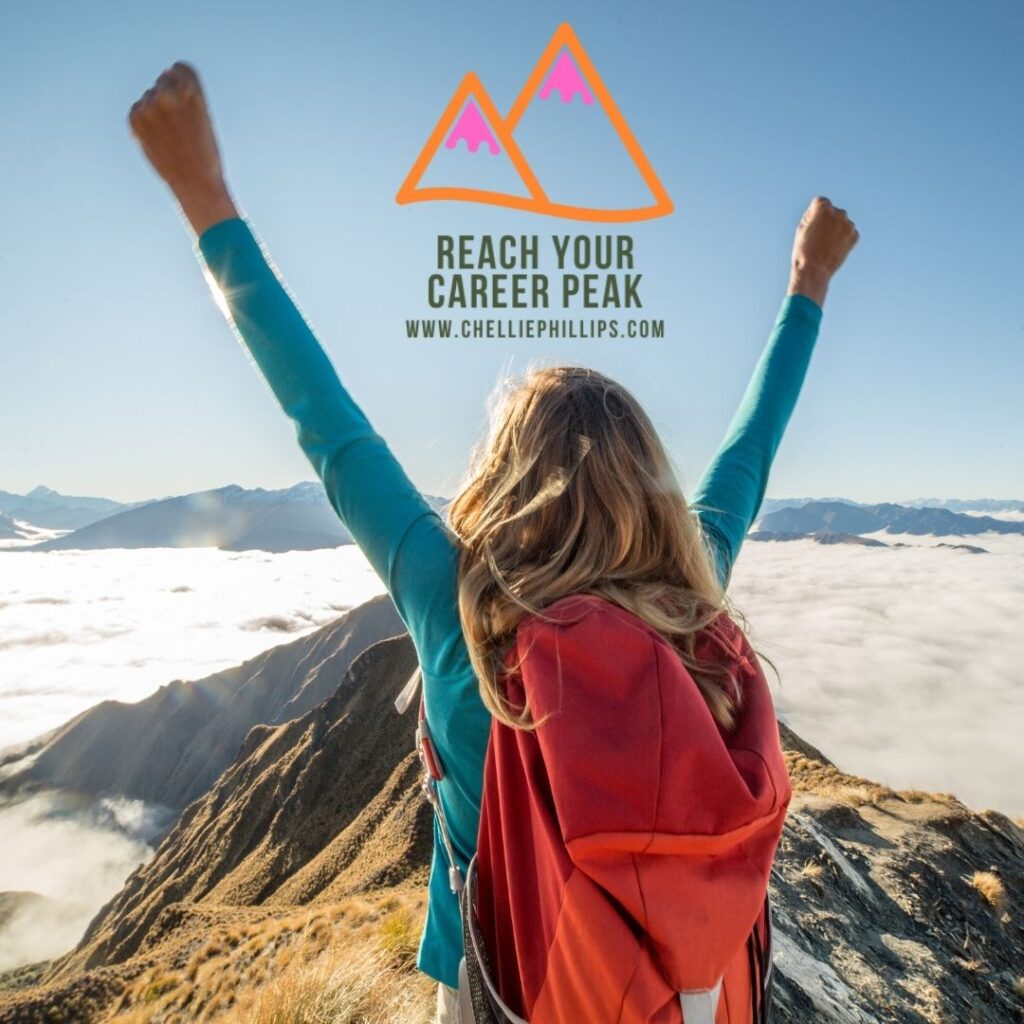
824, 238
172, 123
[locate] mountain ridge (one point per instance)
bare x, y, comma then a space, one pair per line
841, 517
169, 747
891, 906
300, 518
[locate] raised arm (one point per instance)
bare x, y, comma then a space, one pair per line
402, 536
729, 494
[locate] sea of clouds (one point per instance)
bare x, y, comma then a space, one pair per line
905, 665
75, 856
77, 627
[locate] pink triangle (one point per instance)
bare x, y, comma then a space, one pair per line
567, 80
472, 127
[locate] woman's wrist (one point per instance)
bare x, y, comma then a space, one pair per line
809, 281
205, 205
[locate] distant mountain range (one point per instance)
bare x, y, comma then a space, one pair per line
770, 505
953, 504
968, 504
310, 811
300, 518
231, 518
844, 517
54, 511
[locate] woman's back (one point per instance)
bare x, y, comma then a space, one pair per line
626, 842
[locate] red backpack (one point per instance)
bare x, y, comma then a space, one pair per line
626, 843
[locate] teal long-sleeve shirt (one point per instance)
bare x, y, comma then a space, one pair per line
414, 551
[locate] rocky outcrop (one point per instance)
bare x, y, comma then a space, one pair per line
902, 907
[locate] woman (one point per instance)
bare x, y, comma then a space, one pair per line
520, 537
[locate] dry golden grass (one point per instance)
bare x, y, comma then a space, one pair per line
991, 888
974, 966
399, 936
810, 776
361, 985
811, 871
813, 777
351, 963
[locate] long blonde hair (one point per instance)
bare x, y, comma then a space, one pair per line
573, 493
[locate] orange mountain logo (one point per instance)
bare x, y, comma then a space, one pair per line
565, 71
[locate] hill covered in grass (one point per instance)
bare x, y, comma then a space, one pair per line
293, 886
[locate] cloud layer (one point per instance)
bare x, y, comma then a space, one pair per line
73, 855
902, 664
77, 627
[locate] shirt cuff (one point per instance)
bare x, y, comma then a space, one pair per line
801, 306
223, 238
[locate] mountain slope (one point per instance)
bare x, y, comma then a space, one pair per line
322, 808
284, 825
890, 907
169, 748
904, 907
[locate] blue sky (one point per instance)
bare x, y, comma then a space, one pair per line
118, 376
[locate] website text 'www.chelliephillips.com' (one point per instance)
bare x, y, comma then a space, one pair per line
538, 328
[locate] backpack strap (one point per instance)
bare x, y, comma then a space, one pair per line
433, 772
479, 1002
767, 965
762, 976
487, 1004
700, 1007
